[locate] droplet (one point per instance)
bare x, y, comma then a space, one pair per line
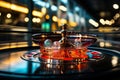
47, 43
56, 44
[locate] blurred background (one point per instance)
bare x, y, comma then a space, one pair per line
19, 19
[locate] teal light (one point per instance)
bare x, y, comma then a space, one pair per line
46, 27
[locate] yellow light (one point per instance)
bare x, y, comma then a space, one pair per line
26, 19
107, 22
19, 8
9, 15
112, 21
43, 10
63, 8
5, 4
94, 23
108, 44
115, 6
37, 13
54, 27
38, 20
102, 21
102, 44
43, 36
73, 24
47, 16
0, 14
117, 15
34, 20
54, 18
114, 61
63, 21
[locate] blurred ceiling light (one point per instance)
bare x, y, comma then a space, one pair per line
117, 15
54, 18
37, 13
94, 23
64, 1
102, 21
41, 3
115, 6
19, 8
9, 15
77, 8
43, 10
26, 19
63, 8
54, 8
0, 14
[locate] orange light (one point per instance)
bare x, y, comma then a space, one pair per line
73, 24
47, 16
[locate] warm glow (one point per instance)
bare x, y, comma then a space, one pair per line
20, 29
107, 22
102, 21
37, 13
63, 8
13, 45
38, 20
101, 44
108, 44
47, 16
94, 23
102, 14
114, 61
19, 8
43, 36
117, 15
54, 27
63, 21
26, 19
107, 29
44, 10
115, 6
9, 15
73, 24
54, 18
112, 21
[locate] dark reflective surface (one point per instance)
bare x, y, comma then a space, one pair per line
12, 63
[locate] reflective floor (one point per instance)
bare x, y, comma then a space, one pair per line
11, 64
